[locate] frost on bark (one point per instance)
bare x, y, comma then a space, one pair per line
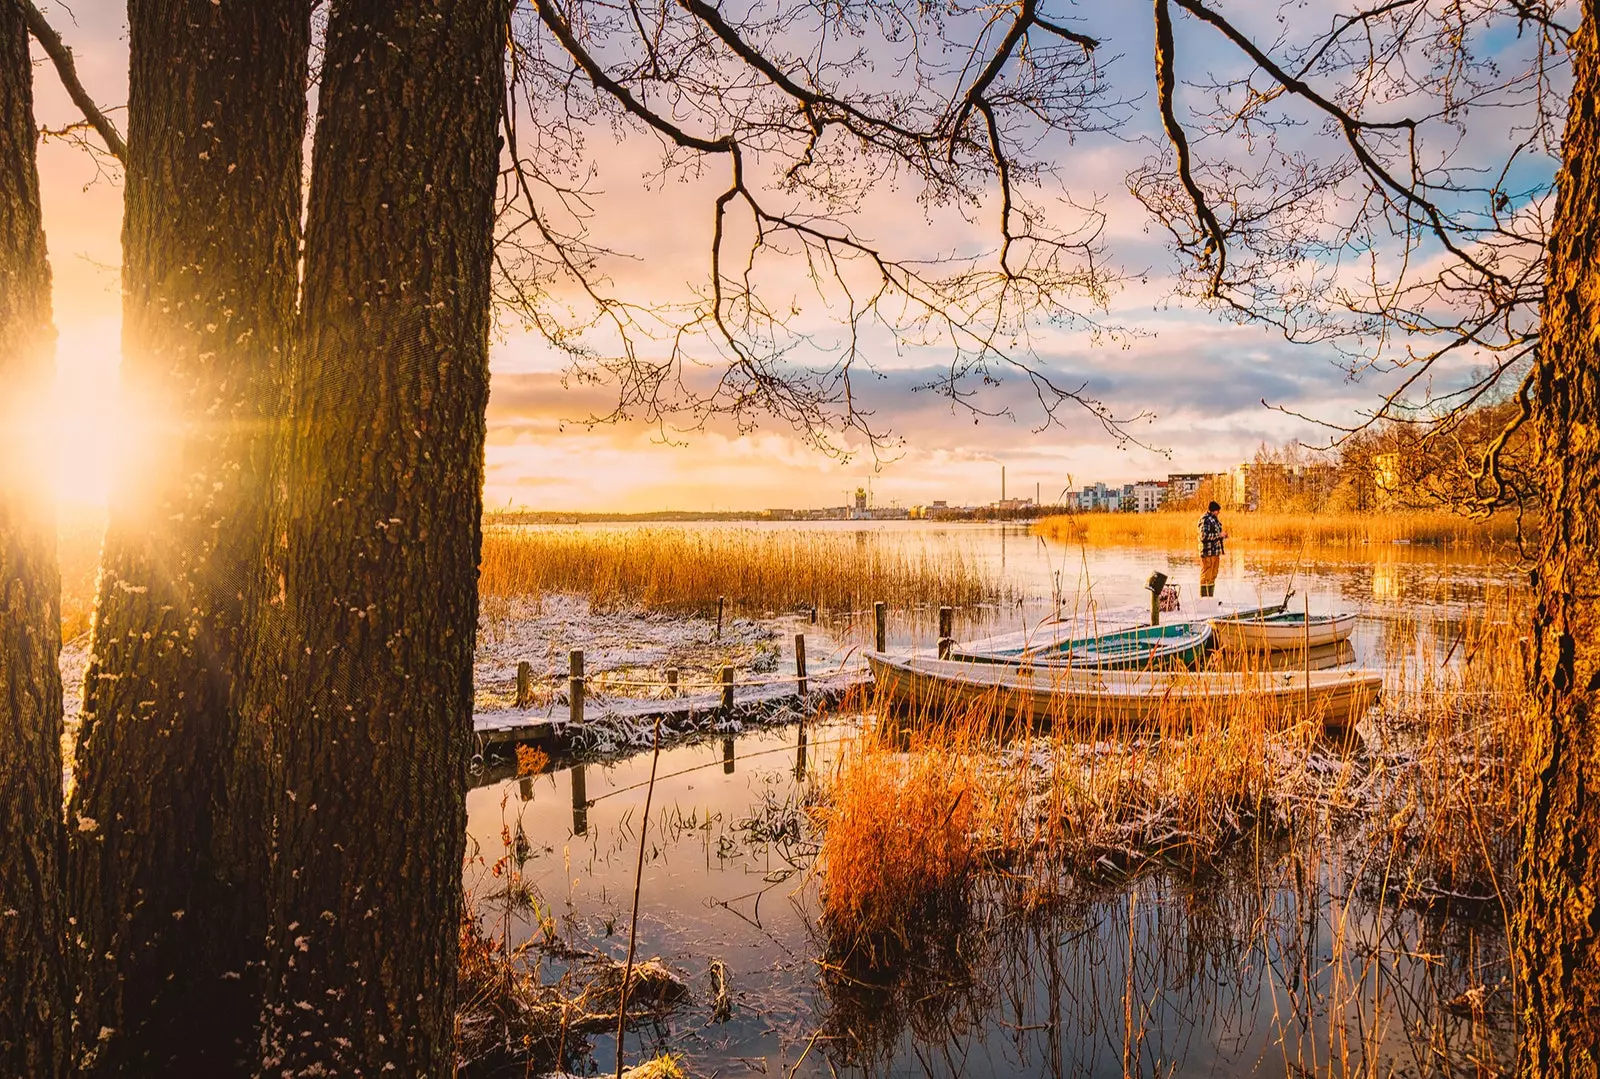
33, 983
1558, 930
169, 921
367, 714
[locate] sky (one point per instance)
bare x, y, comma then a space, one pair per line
1200, 379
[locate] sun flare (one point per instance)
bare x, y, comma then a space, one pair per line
84, 429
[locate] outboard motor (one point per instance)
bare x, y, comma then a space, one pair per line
1155, 584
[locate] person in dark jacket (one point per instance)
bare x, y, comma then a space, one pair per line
1211, 537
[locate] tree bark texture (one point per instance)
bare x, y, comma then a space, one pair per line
33, 972
170, 919
369, 710
1558, 927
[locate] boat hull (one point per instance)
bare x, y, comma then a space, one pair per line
1143, 648
1097, 702
1281, 634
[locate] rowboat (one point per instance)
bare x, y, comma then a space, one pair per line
1181, 644
1283, 630
1031, 695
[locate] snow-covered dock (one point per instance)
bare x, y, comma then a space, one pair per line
628, 658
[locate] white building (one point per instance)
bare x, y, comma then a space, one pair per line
1147, 495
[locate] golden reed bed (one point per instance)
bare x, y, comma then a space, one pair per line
1177, 529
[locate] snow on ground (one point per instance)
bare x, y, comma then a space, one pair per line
629, 645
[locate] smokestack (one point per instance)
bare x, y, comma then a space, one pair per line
1002, 483
1035, 492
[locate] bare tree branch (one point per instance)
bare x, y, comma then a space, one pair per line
61, 56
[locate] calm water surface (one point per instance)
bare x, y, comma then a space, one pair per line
1242, 973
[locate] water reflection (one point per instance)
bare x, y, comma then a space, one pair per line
1289, 963
1240, 972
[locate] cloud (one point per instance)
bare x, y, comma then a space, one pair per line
1201, 379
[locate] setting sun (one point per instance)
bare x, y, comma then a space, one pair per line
85, 428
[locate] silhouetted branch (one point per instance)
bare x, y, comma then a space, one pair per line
61, 56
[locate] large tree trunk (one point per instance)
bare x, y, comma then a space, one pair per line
371, 702
34, 997
1558, 930
170, 922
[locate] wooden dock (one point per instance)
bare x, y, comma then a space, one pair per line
591, 720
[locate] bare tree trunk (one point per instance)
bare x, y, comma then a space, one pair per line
375, 620
170, 921
34, 998
1558, 931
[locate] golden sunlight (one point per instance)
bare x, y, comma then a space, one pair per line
84, 431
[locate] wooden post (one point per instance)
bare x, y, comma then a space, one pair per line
575, 685
524, 684
946, 626
721, 600
727, 756
880, 619
672, 681
800, 662
813, 614
580, 801
727, 686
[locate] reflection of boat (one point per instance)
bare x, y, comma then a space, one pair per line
1283, 630
1320, 658
1181, 644
1030, 694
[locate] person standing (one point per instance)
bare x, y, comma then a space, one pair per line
1211, 537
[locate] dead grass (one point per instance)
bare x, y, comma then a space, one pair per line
903, 834
682, 569
1177, 529
1431, 801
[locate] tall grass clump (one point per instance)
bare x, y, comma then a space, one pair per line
1177, 529
907, 821
1455, 737
681, 569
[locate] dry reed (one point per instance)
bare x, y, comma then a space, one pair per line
1433, 799
1177, 529
680, 569
901, 837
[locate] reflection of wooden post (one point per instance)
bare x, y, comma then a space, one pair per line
524, 684
720, 601
525, 789
727, 755
727, 686
672, 681
880, 620
580, 801
800, 662
800, 754
946, 624
575, 685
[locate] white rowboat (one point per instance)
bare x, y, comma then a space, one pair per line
1033, 696
1282, 631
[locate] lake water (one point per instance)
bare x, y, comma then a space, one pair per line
1281, 966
